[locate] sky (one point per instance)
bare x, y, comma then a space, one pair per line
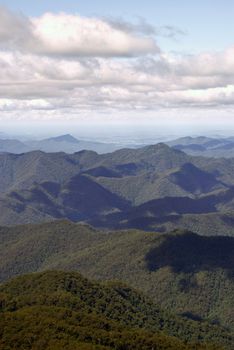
162, 62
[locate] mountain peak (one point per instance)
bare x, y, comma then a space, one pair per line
64, 138
159, 147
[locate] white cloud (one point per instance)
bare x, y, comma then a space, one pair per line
70, 35
62, 64
15, 30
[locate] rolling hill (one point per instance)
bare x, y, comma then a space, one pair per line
183, 272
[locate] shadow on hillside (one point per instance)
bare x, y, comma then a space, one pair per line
188, 252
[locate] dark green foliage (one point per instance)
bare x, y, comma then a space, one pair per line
182, 272
56, 310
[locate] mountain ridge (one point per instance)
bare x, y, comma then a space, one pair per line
130, 188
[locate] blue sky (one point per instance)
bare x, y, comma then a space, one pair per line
208, 24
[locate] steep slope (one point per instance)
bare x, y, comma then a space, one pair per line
208, 224
79, 199
184, 181
183, 272
83, 199
196, 181
22, 171
178, 212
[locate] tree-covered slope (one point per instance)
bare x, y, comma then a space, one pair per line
54, 310
183, 272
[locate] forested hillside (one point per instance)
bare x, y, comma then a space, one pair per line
181, 271
56, 310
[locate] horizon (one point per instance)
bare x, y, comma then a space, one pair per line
115, 133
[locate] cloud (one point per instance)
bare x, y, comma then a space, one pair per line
140, 27
70, 35
169, 31
103, 84
68, 65
15, 30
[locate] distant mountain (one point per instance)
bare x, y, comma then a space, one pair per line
13, 146
63, 138
188, 140
69, 144
208, 147
185, 273
64, 143
3, 135
196, 146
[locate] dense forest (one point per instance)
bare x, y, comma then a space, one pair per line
57, 310
183, 272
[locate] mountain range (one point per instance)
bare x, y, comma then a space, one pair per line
153, 188
156, 218
205, 146
63, 143
198, 146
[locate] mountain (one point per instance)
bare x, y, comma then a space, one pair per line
65, 310
63, 143
142, 188
152, 188
183, 272
63, 138
69, 144
196, 146
13, 146
205, 146
188, 140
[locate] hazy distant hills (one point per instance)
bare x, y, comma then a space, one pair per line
197, 146
64, 143
154, 187
205, 146
13, 146
181, 271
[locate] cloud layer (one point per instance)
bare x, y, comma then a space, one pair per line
70, 65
